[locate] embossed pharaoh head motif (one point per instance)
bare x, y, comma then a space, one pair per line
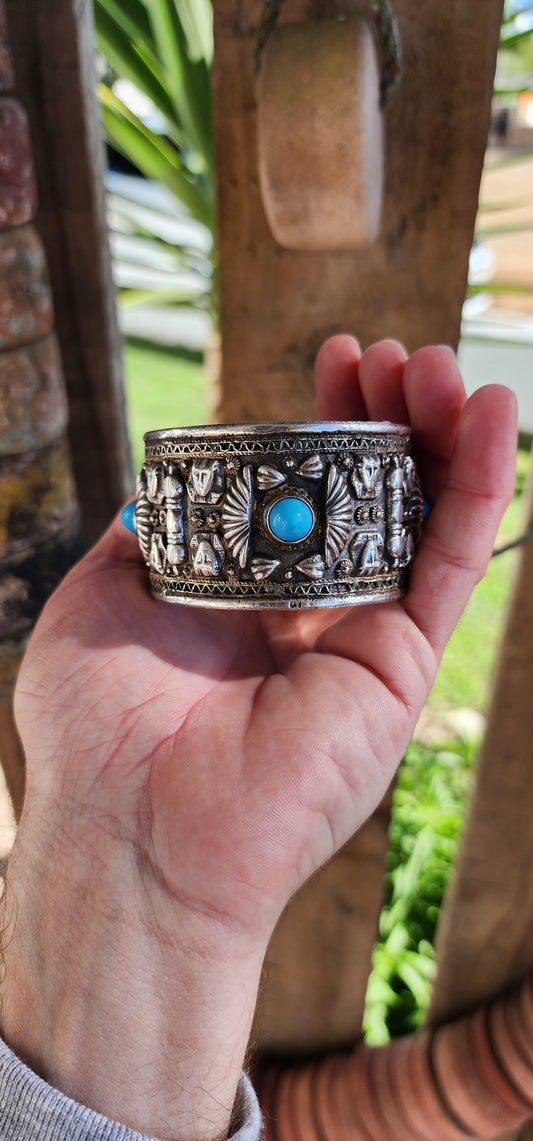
370, 469
207, 555
366, 477
206, 481
154, 483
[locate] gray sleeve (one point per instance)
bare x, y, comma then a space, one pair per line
31, 1110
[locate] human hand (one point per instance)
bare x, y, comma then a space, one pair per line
189, 769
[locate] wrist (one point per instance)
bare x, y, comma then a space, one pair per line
139, 1010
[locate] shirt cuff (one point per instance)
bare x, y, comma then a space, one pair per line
32, 1110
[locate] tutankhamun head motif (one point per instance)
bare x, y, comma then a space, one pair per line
366, 477
154, 483
206, 481
208, 554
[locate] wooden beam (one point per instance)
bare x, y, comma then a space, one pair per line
53, 51
38, 509
485, 941
313, 992
11, 752
277, 306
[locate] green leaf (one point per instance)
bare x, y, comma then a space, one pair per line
169, 296
130, 15
197, 20
501, 287
501, 92
499, 231
417, 984
512, 14
187, 80
153, 155
131, 60
501, 207
512, 39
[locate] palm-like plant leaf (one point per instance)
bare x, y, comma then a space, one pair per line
197, 19
187, 79
152, 154
124, 39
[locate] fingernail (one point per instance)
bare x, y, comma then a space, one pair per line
127, 516
448, 349
426, 508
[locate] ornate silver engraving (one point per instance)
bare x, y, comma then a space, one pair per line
414, 504
366, 477
313, 468
263, 568
268, 477
173, 493
369, 557
408, 549
206, 481
205, 496
208, 554
154, 483
158, 553
360, 441
313, 567
339, 509
409, 474
395, 489
143, 511
237, 516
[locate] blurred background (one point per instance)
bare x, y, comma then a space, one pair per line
154, 85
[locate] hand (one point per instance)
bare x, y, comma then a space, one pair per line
188, 769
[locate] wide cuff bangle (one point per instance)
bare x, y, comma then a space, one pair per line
278, 515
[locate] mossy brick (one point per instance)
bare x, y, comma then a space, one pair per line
7, 74
37, 496
18, 187
33, 402
26, 311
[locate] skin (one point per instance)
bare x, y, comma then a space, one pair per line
188, 769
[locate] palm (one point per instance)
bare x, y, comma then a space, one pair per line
235, 751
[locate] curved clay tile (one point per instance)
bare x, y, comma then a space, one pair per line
469, 1078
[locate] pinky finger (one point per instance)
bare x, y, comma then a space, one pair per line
460, 534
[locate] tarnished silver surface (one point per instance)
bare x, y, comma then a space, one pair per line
210, 513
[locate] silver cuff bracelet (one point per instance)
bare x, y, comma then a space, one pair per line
278, 515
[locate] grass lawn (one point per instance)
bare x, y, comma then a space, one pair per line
166, 389
465, 673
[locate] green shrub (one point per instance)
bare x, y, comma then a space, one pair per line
429, 807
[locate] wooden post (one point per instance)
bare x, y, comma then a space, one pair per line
277, 306
38, 510
53, 51
316, 968
485, 941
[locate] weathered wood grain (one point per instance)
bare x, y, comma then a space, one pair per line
320, 134
277, 306
53, 51
316, 968
33, 402
11, 751
485, 941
